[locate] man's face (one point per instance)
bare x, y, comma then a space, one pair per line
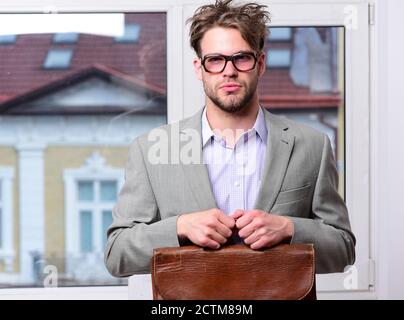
230, 90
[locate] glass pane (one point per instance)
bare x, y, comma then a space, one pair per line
1, 191
106, 222
279, 33
131, 34
8, 39
58, 59
278, 58
86, 191
67, 37
86, 231
309, 87
108, 190
111, 93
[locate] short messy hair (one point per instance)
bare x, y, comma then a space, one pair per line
251, 19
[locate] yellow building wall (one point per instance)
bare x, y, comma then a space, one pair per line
9, 158
57, 159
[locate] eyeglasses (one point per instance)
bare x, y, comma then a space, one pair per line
242, 61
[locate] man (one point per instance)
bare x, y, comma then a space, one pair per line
272, 180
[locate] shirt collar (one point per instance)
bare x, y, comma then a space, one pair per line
260, 127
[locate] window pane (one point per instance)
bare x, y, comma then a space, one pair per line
278, 33
110, 93
58, 59
131, 34
106, 222
86, 191
307, 82
278, 58
8, 39
68, 37
108, 190
86, 231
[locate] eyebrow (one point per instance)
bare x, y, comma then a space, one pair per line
221, 54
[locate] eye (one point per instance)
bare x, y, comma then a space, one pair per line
243, 57
215, 60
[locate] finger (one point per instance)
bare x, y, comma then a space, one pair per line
252, 237
248, 230
263, 242
223, 230
228, 221
217, 237
244, 220
208, 243
237, 214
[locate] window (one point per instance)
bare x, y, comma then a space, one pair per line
131, 34
58, 134
278, 58
66, 38
321, 83
58, 59
86, 115
95, 201
280, 34
8, 39
90, 192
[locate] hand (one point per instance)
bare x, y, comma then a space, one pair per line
209, 228
260, 229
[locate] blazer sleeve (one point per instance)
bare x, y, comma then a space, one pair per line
137, 227
329, 229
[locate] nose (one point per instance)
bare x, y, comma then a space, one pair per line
230, 70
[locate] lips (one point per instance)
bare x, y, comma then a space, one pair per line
230, 87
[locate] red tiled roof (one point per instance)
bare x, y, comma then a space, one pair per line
4, 98
21, 63
142, 63
299, 101
97, 71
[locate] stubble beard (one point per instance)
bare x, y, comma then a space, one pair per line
232, 104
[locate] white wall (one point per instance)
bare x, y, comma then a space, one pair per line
388, 152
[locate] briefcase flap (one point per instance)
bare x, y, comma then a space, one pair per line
286, 271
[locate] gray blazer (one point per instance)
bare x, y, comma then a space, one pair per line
299, 181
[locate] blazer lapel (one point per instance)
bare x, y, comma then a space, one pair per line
280, 144
197, 174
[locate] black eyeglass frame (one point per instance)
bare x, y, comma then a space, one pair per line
230, 58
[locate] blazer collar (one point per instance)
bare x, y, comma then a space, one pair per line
197, 175
280, 145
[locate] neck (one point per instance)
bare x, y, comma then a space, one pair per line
232, 125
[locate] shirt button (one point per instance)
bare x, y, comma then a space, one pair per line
236, 184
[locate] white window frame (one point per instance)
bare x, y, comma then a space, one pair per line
7, 254
95, 170
182, 103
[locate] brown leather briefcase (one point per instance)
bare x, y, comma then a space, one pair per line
284, 272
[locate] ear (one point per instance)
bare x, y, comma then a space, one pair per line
261, 63
198, 67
